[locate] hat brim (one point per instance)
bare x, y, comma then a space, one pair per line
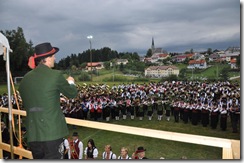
56, 50
139, 151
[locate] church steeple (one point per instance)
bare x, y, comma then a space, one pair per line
152, 46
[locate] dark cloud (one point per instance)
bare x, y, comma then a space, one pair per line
127, 25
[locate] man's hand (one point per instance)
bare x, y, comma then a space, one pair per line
71, 80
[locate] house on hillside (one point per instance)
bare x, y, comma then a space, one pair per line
94, 66
182, 57
213, 57
233, 50
229, 57
162, 56
161, 71
123, 61
201, 64
155, 57
233, 63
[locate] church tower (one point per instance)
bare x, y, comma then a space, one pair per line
152, 46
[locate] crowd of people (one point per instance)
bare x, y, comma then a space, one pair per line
187, 101
190, 102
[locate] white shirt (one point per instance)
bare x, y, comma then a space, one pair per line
111, 155
66, 144
80, 146
95, 152
127, 157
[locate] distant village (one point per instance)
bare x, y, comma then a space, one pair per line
195, 60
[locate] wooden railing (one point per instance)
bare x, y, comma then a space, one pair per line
230, 148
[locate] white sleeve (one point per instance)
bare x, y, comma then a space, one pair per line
95, 153
114, 156
85, 151
66, 144
71, 82
103, 155
81, 150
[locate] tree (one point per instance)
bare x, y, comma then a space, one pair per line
121, 67
83, 65
191, 51
238, 61
106, 65
182, 74
84, 76
149, 53
224, 74
21, 49
73, 68
209, 51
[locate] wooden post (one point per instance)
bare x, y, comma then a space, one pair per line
227, 153
16, 150
1, 150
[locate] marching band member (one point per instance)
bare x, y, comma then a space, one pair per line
223, 117
235, 115
159, 109
149, 110
214, 115
76, 147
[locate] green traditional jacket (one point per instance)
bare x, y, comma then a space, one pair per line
167, 106
150, 107
40, 92
160, 106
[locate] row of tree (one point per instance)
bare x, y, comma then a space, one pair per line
22, 50
98, 55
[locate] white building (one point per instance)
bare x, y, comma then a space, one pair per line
161, 71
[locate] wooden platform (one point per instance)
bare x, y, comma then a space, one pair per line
236, 149
231, 148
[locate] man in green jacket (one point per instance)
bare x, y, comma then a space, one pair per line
40, 92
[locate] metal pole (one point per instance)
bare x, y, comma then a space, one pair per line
9, 105
113, 72
217, 71
91, 56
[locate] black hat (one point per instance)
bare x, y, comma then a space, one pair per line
45, 50
75, 134
42, 51
140, 149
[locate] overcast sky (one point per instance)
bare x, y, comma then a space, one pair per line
125, 25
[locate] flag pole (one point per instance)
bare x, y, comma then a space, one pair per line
9, 103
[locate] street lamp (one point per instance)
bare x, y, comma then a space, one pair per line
90, 38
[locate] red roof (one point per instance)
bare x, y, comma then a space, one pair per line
189, 55
233, 60
162, 55
181, 56
94, 64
